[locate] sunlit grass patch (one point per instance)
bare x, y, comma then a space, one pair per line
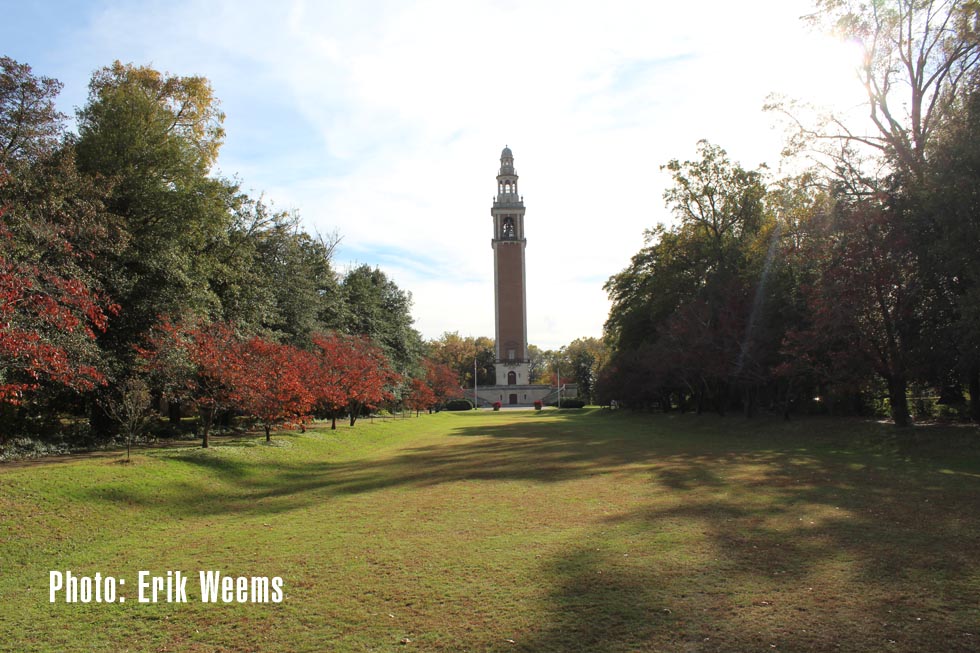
588, 531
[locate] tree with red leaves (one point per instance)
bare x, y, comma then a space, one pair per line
48, 319
329, 394
437, 386
442, 381
352, 373
268, 382
419, 396
193, 361
368, 378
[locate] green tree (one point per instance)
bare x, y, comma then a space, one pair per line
948, 252
919, 57
549, 364
377, 308
586, 357
302, 285
536, 364
699, 290
156, 137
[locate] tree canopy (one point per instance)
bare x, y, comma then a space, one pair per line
126, 258
848, 287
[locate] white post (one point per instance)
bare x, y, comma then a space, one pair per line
558, 372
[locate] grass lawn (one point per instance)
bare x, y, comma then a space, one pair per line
515, 531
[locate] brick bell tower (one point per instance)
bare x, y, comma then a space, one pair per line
510, 298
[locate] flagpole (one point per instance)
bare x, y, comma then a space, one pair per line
558, 372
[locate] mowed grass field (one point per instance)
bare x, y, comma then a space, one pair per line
515, 531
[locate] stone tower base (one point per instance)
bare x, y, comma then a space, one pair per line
512, 395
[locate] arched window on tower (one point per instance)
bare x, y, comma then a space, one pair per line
507, 229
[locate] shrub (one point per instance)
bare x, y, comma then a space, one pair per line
459, 404
496, 405
572, 403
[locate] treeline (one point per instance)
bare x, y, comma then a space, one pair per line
580, 361
123, 229
854, 287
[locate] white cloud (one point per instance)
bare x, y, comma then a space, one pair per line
384, 120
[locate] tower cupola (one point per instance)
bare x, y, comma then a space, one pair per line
507, 178
506, 162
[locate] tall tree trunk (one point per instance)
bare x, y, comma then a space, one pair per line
207, 417
268, 435
748, 406
899, 401
173, 413
975, 393
787, 399
333, 420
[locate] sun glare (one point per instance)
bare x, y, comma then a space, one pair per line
830, 72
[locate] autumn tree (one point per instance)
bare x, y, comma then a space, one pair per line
194, 362
419, 396
268, 382
30, 126
442, 381
52, 229
351, 373
48, 320
129, 209
547, 364
331, 354
367, 377
464, 353
438, 385
586, 357
535, 364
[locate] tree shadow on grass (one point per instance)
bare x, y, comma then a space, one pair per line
792, 552
535, 450
744, 538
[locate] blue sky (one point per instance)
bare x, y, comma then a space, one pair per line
384, 121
